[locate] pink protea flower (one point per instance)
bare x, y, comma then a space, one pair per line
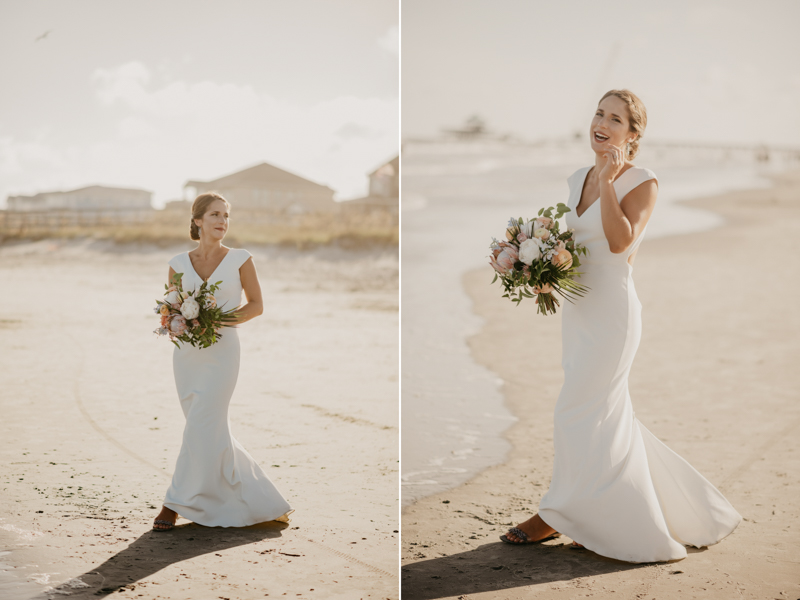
504, 260
177, 325
495, 265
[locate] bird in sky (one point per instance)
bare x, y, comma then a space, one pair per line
44, 35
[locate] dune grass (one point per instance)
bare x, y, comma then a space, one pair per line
349, 229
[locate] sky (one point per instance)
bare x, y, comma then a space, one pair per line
707, 71
151, 94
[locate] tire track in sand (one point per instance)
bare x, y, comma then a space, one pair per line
353, 559
76, 392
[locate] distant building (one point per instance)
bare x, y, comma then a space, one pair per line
474, 129
265, 187
92, 198
182, 205
384, 182
384, 188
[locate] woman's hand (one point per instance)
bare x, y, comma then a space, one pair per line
615, 160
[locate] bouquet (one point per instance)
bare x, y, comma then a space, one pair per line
192, 317
538, 260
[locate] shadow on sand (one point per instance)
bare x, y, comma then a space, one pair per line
154, 551
498, 566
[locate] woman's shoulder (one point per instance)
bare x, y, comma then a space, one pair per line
642, 173
239, 256
579, 174
632, 178
177, 261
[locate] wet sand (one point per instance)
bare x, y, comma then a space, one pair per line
92, 429
715, 378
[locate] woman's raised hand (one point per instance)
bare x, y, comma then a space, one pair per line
615, 160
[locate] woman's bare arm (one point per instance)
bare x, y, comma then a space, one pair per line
252, 292
624, 221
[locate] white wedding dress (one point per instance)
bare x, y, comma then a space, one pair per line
616, 489
216, 482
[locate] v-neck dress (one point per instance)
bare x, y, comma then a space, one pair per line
616, 488
216, 482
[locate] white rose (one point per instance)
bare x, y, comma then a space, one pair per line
529, 251
173, 297
190, 308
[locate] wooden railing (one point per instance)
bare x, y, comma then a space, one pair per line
61, 219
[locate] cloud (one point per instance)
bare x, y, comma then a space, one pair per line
124, 81
170, 132
354, 130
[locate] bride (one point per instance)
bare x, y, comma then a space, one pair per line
216, 482
616, 489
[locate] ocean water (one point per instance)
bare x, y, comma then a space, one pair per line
456, 196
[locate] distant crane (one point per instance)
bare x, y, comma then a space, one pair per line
44, 35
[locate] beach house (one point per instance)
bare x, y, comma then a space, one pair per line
93, 198
384, 189
265, 187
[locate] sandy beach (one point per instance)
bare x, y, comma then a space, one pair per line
92, 427
715, 378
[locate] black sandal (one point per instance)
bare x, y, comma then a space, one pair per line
162, 522
524, 537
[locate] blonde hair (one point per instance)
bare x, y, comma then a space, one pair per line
637, 116
199, 208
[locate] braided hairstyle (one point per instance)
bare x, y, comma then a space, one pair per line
637, 116
199, 208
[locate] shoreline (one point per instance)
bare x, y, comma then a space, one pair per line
704, 205
488, 502
452, 404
